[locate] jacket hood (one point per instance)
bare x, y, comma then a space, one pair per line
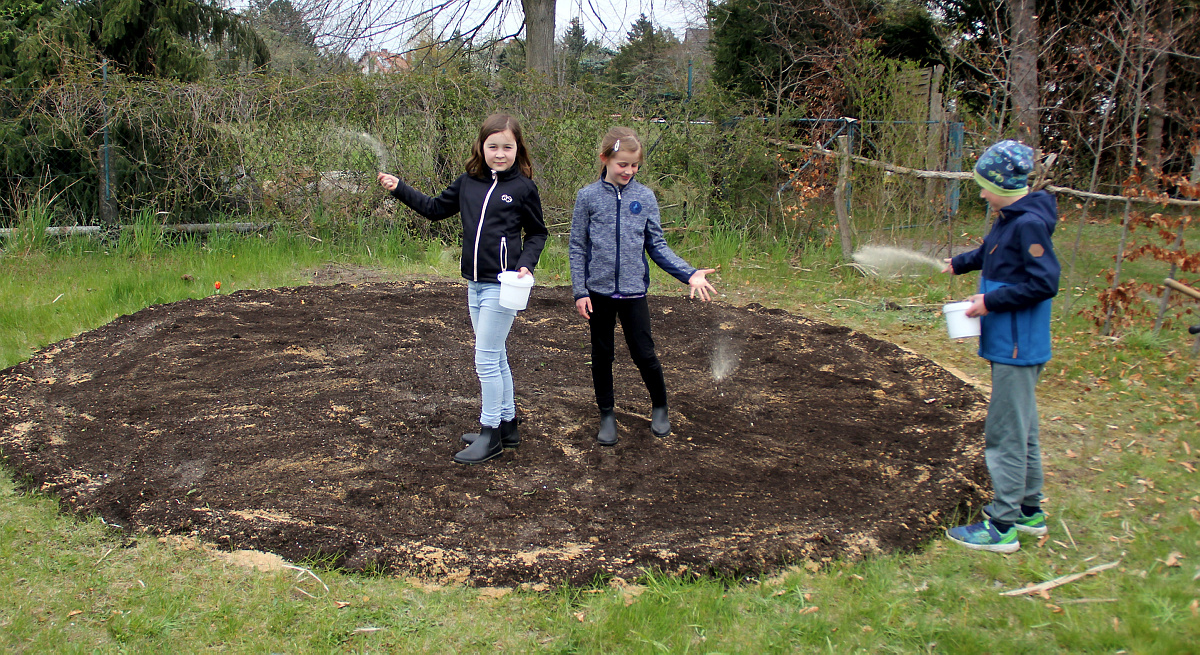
1041, 204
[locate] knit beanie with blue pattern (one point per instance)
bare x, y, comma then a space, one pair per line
1004, 168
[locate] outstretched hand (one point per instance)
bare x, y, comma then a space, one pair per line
949, 267
700, 285
388, 182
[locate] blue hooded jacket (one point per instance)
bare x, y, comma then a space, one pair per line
1018, 277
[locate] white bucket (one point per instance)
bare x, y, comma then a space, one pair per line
514, 291
958, 323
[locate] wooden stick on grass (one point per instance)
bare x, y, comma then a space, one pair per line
1068, 531
1059, 581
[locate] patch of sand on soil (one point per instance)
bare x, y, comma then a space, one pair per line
253, 559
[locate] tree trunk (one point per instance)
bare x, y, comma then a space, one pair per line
1023, 73
1158, 98
539, 36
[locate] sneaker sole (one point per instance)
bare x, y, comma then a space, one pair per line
992, 548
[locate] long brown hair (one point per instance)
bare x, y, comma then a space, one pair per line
627, 140
498, 123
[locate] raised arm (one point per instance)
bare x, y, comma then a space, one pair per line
444, 205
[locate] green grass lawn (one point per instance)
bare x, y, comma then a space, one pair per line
1120, 431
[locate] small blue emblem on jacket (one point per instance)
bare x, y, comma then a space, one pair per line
635, 207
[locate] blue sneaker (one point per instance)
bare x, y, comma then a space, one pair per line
1034, 524
985, 536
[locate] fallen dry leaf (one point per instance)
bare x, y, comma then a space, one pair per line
1188, 466
74, 612
1173, 558
1072, 454
1043, 539
581, 616
341, 603
1195, 607
812, 566
809, 610
1054, 608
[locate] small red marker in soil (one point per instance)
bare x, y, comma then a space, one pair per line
217, 286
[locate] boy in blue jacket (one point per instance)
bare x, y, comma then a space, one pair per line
1018, 277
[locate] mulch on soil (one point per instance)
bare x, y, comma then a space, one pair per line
319, 422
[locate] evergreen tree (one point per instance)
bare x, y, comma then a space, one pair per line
574, 43
643, 66
153, 38
786, 50
289, 39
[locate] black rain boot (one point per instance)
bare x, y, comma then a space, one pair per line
509, 437
486, 447
607, 436
660, 425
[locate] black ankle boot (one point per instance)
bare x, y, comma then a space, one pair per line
607, 436
509, 437
486, 447
660, 425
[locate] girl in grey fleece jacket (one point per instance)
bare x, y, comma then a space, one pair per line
614, 227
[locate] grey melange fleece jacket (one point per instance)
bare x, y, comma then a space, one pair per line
612, 231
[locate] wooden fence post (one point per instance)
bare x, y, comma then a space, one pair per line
839, 196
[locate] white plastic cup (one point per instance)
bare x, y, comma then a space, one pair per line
514, 291
958, 323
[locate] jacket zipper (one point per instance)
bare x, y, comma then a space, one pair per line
479, 228
503, 254
617, 268
1015, 335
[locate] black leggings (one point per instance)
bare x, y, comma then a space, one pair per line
635, 323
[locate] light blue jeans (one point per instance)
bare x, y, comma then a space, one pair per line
492, 323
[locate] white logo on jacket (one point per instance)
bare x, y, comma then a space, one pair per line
506, 198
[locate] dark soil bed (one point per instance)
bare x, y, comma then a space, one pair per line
319, 422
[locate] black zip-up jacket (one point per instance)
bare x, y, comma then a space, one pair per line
495, 211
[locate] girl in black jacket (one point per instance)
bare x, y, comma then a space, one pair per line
503, 230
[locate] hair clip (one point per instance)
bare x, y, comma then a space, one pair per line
617, 145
